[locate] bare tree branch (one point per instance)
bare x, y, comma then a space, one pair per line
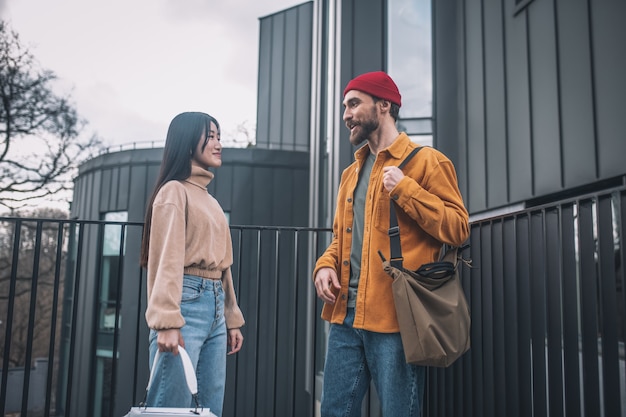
41, 134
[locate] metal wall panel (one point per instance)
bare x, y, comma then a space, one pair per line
576, 92
363, 35
544, 105
115, 189
368, 21
303, 77
262, 189
119, 181
105, 191
264, 84
276, 78
251, 185
261, 186
287, 120
539, 97
608, 33
495, 105
282, 181
143, 178
447, 34
93, 195
242, 176
222, 185
123, 189
517, 92
284, 90
476, 198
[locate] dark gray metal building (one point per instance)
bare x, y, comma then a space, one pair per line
529, 97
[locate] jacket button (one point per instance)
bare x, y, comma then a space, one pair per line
348, 229
343, 296
395, 196
349, 200
346, 263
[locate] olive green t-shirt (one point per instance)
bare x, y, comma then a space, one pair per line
358, 208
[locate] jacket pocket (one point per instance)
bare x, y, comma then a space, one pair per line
381, 211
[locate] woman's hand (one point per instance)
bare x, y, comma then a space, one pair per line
168, 340
235, 340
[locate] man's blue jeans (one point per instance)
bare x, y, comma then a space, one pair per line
355, 357
204, 334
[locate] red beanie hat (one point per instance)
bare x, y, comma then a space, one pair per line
377, 84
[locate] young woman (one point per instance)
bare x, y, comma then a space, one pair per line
187, 251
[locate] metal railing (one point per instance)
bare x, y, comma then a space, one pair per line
72, 295
546, 292
548, 302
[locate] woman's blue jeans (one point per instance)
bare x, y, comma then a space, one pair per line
205, 338
354, 358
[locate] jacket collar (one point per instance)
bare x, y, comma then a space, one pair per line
396, 150
398, 147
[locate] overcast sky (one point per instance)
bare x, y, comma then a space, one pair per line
132, 65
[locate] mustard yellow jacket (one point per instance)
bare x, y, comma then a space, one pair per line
431, 213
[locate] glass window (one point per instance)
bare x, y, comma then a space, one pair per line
112, 257
424, 140
415, 126
112, 235
409, 60
110, 266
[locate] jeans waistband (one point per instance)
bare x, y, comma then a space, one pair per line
203, 283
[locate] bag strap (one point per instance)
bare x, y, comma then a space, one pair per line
394, 231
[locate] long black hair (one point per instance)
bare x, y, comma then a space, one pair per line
183, 134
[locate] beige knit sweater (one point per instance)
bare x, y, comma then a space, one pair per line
189, 235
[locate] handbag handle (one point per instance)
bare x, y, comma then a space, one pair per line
190, 373
190, 376
395, 248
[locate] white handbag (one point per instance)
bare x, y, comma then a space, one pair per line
192, 383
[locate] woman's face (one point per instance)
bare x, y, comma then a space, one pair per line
211, 155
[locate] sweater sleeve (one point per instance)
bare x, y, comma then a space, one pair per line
232, 312
166, 260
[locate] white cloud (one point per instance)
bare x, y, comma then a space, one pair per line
131, 66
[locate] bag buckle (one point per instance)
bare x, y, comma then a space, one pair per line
396, 262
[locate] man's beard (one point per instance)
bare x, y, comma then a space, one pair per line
362, 131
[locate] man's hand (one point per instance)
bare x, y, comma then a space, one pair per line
324, 278
391, 177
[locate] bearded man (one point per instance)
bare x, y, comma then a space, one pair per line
364, 342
